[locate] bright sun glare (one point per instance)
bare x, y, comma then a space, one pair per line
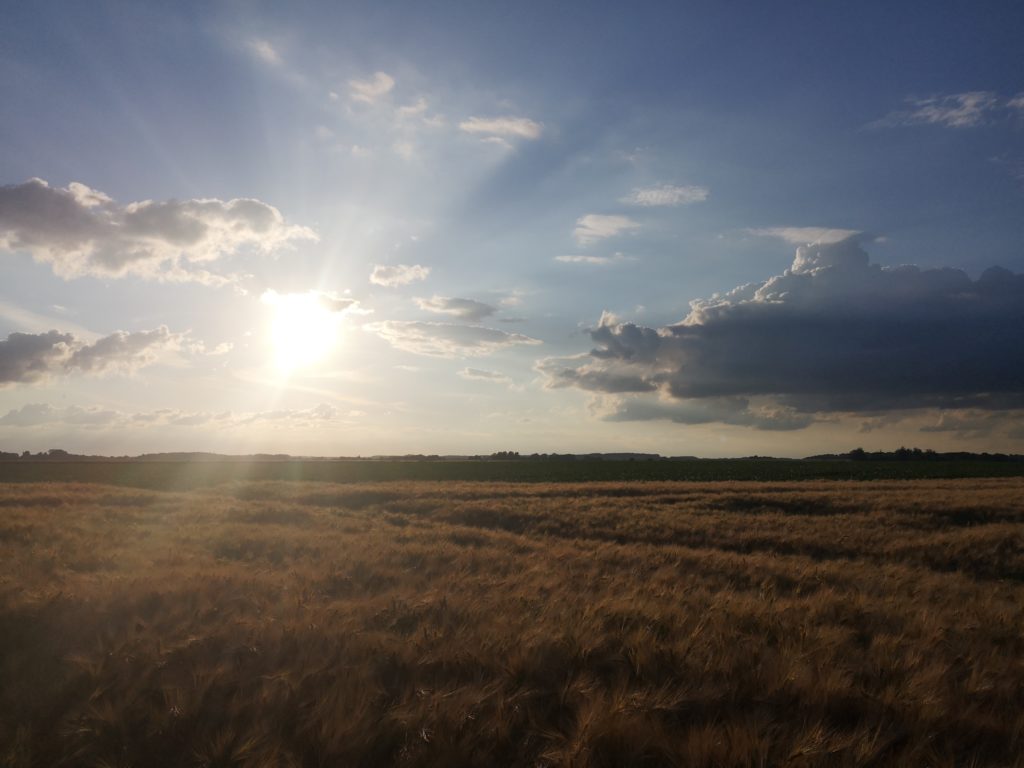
303, 330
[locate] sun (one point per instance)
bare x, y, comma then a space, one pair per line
303, 329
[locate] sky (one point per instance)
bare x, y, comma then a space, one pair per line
691, 228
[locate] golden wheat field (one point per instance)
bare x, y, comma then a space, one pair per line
481, 624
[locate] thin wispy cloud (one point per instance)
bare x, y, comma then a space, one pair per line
371, 89
394, 275
446, 339
480, 374
468, 309
805, 235
666, 195
593, 227
502, 127
955, 110
412, 110
39, 414
581, 258
264, 51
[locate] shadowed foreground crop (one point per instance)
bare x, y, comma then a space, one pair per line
305, 624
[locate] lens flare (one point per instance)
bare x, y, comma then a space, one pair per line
303, 329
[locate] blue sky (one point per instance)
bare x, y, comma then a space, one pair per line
455, 228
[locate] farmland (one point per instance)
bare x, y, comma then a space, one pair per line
169, 621
187, 475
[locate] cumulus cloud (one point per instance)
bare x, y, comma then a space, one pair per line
955, 110
446, 339
28, 357
372, 88
467, 309
80, 231
666, 195
500, 127
398, 274
122, 351
834, 333
594, 226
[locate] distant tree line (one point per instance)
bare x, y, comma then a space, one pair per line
916, 454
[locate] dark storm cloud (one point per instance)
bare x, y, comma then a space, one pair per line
833, 333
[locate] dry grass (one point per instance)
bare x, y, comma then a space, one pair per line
728, 624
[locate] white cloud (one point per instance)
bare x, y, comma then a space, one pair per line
955, 110
79, 231
467, 309
412, 110
575, 258
446, 339
666, 195
1017, 102
806, 235
27, 357
593, 227
264, 51
371, 89
398, 274
496, 127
